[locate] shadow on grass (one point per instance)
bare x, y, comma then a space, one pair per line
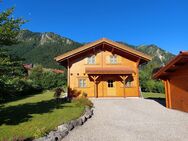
17, 97
1, 106
159, 100
14, 115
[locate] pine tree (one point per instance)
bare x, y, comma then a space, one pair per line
9, 27
10, 66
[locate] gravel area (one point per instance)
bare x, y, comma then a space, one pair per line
132, 119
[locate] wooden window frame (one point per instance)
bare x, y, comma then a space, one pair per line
110, 83
91, 60
113, 59
82, 83
128, 83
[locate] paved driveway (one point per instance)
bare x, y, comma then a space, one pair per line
132, 120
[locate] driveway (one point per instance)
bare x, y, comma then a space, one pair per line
132, 119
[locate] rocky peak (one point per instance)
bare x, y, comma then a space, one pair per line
47, 38
43, 38
159, 55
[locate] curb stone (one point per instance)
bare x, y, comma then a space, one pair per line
83, 118
69, 126
64, 129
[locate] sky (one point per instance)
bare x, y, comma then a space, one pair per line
137, 22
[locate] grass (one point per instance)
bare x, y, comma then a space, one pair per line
153, 95
33, 116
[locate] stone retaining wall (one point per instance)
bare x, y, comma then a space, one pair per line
64, 129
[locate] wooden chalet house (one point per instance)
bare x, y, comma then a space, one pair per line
104, 68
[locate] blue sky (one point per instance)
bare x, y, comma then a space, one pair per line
137, 22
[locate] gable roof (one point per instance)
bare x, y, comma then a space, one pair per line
122, 47
172, 65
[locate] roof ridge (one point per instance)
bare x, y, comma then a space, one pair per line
113, 43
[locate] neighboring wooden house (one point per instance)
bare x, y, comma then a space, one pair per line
104, 69
175, 77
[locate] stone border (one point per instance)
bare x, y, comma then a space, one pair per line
64, 129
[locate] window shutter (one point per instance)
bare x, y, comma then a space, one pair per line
93, 59
107, 59
76, 83
87, 82
119, 59
86, 60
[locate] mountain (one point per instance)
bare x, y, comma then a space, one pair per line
41, 48
160, 56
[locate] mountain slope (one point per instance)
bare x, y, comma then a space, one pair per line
41, 48
159, 55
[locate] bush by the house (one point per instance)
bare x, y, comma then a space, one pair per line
83, 101
16, 88
73, 93
47, 79
147, 83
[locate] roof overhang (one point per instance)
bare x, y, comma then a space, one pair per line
172, 66
109, 70
68, 55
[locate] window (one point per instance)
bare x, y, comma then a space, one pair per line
128, 83
91, 59
82, 83
113, 59
110, 83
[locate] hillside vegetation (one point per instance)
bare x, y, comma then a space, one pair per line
41, 48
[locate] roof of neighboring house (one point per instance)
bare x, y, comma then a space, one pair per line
109, 70
57, 71
122, 47
173, 65
28, 66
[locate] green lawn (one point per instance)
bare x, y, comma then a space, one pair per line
153, 95
35, 115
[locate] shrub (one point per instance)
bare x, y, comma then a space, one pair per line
159, 87
47, 79
150, 85
84, 94
147, 83
83, 101
16, 88
73, 93
58, 92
